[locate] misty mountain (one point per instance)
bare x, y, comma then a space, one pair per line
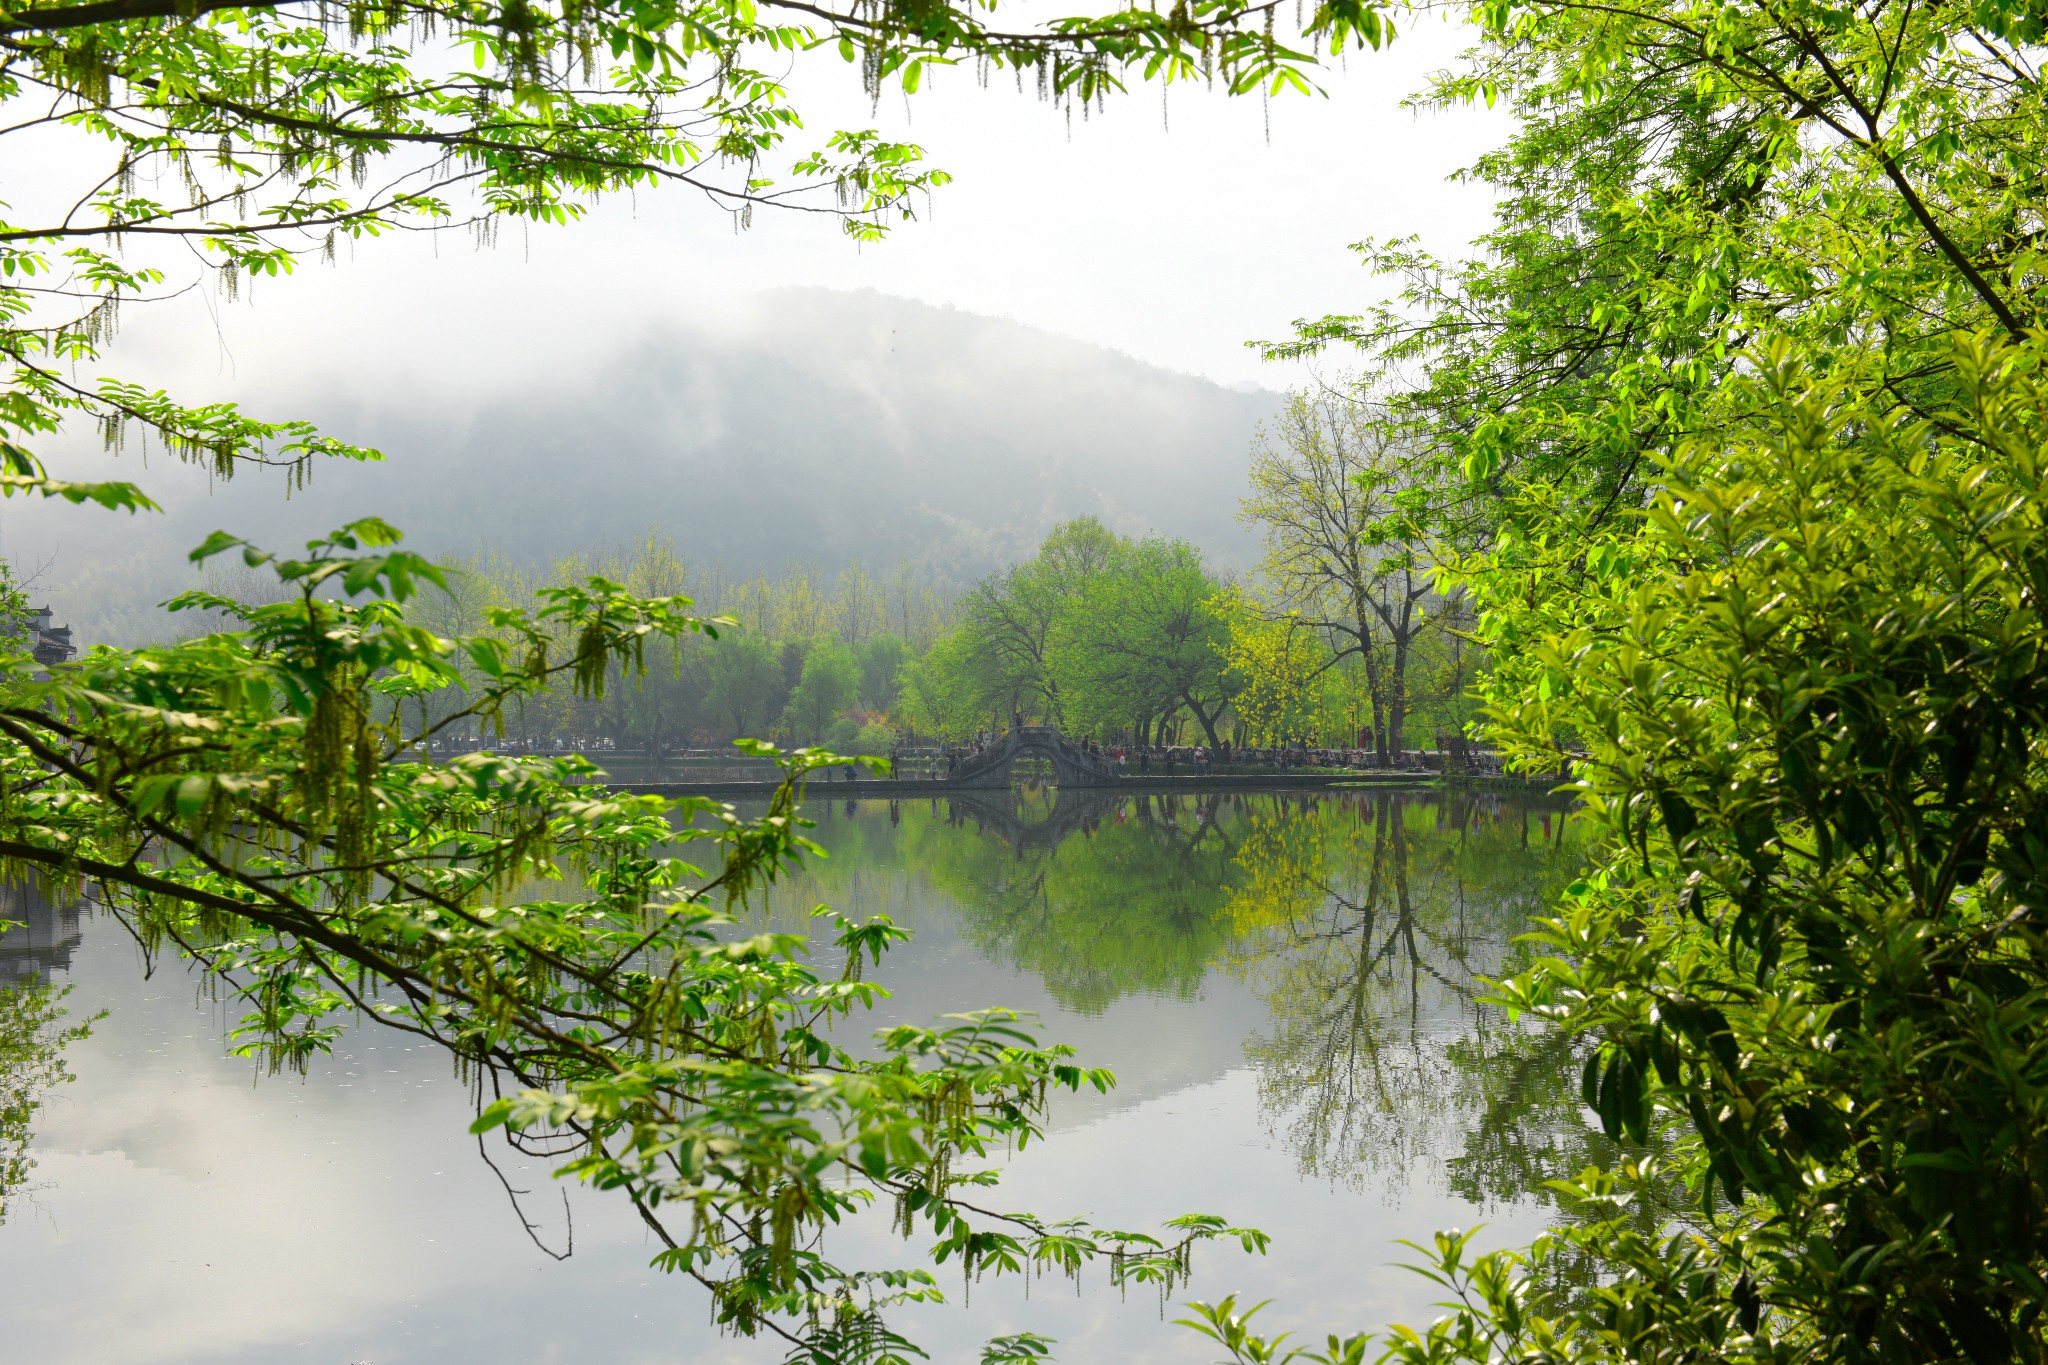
804, 426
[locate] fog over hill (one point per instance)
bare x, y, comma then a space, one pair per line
808, 426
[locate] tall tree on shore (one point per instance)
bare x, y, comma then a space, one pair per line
1145, 638
744, 687
1342, 499
829, 684
1009, 622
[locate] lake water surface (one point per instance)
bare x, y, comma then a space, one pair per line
1285, 984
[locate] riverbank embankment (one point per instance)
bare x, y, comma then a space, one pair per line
818, 788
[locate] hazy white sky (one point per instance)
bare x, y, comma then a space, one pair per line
1175, 244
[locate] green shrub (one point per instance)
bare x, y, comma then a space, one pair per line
843, 736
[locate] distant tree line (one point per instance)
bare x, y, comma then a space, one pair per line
1340, 640
813, 658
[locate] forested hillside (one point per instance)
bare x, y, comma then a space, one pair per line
818, 428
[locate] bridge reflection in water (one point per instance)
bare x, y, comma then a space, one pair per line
1016, 821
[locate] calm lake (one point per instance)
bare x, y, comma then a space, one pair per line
1285, 984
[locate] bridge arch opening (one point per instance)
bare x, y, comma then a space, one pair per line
1072, 764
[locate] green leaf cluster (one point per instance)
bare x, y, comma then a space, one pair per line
1744, 390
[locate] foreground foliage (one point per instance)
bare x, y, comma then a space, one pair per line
1816, 713
1826, 732
1744, 390
246, 797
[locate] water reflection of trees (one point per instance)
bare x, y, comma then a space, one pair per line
1366, 921
1125, 901
40, 932
1369, 926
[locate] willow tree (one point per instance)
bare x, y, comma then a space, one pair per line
1143, 639
1009, 623
249, 794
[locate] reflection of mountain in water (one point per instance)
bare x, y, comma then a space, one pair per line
1338, 942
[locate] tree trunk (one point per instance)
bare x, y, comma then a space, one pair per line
1397, 698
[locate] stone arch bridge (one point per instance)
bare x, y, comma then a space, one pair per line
1072, 765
